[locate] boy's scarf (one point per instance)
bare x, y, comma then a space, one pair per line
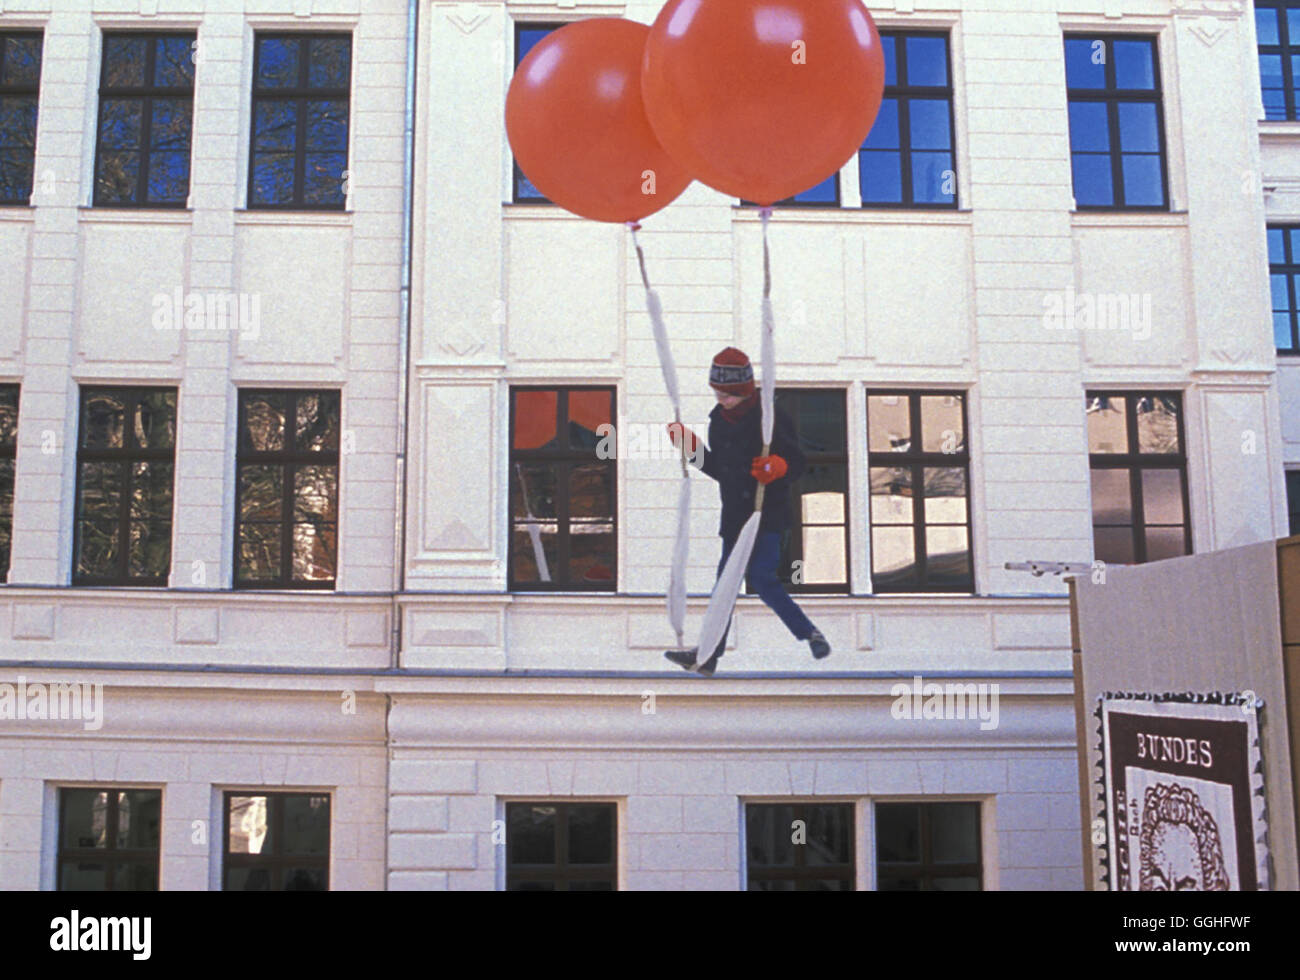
734, 415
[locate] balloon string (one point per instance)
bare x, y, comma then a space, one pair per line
765, 214
633, 227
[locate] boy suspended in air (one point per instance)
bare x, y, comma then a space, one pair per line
734, 459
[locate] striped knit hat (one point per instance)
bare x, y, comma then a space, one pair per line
732, 374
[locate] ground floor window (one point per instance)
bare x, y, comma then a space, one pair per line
108, 839
797, 847
928, 847
564, 847
276, 842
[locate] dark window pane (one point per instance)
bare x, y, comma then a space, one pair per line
1134, 64
155, 420
169, 177
534, 491
1089, 127
1293, 499
1270, 71
535, 552
259, 551
954, 832
769, 834
1107, 428
1111, 497
318, 421
884, 133
1113, 545
535, 419
103, 420
591, 554
304, 879
275, 125
8, 416
84, 818
927, 61
22, 61
1276, 247
942, 425
1165, 542
327, 125
315, 494
591, 835
272, 178
1085, 63
1266, 25
933, 178
1280, 291
323, 176
6, 514
174, 62
889, 427
306, 824
829, 834
1162, 496
263, 420
248, 824
591, 491
1144, 184
1157, 424
531, 833
124, 61
929, 124
16, 167
314, 548
17, 121
151, 491
1282, 335
330, 62
898, 832
150, 549
261, 492
1093, 184
277, 62
170, 128
120, 123
1139, 128
888, 48
892, 494
139, 816
1293, 24
881, 176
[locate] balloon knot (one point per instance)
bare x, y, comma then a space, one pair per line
634, 226
765, 211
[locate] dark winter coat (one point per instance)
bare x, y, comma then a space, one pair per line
728, 458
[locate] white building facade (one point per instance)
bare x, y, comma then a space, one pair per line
1029, 321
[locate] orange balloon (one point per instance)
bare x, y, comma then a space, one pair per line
578, 127
763, 99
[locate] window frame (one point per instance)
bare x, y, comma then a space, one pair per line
1112, 97
562, 873
926, 869
288, 459
9, 453
562, 516
904, 94
1291, 270
1291, 478
1285, 49
276, 864
128, 455
796, 495
32, 91
917, 463
801, 873
300, 94
146, 94
110, 855
1135, 462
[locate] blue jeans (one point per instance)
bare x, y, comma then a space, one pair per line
761, 577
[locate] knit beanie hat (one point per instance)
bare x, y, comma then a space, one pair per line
731, 373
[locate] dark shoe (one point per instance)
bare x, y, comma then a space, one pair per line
682, 658
820, 648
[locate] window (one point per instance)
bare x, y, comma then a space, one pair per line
1277, 29
20, 78
1139, 476
8, 449
125, 453
561, 847
299, 152
146, 109
526, 38
928, 847
799, 847
1284, 284
287, 489
108, 839
920, 493
1293, 501
276, 842
818, 539
562, 489
907, 160
1117, 139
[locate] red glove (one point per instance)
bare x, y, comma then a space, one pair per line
765, 469
677, 432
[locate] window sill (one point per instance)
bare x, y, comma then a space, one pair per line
858, 216
136, 216
1279, 128
1128, 219
274, 216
